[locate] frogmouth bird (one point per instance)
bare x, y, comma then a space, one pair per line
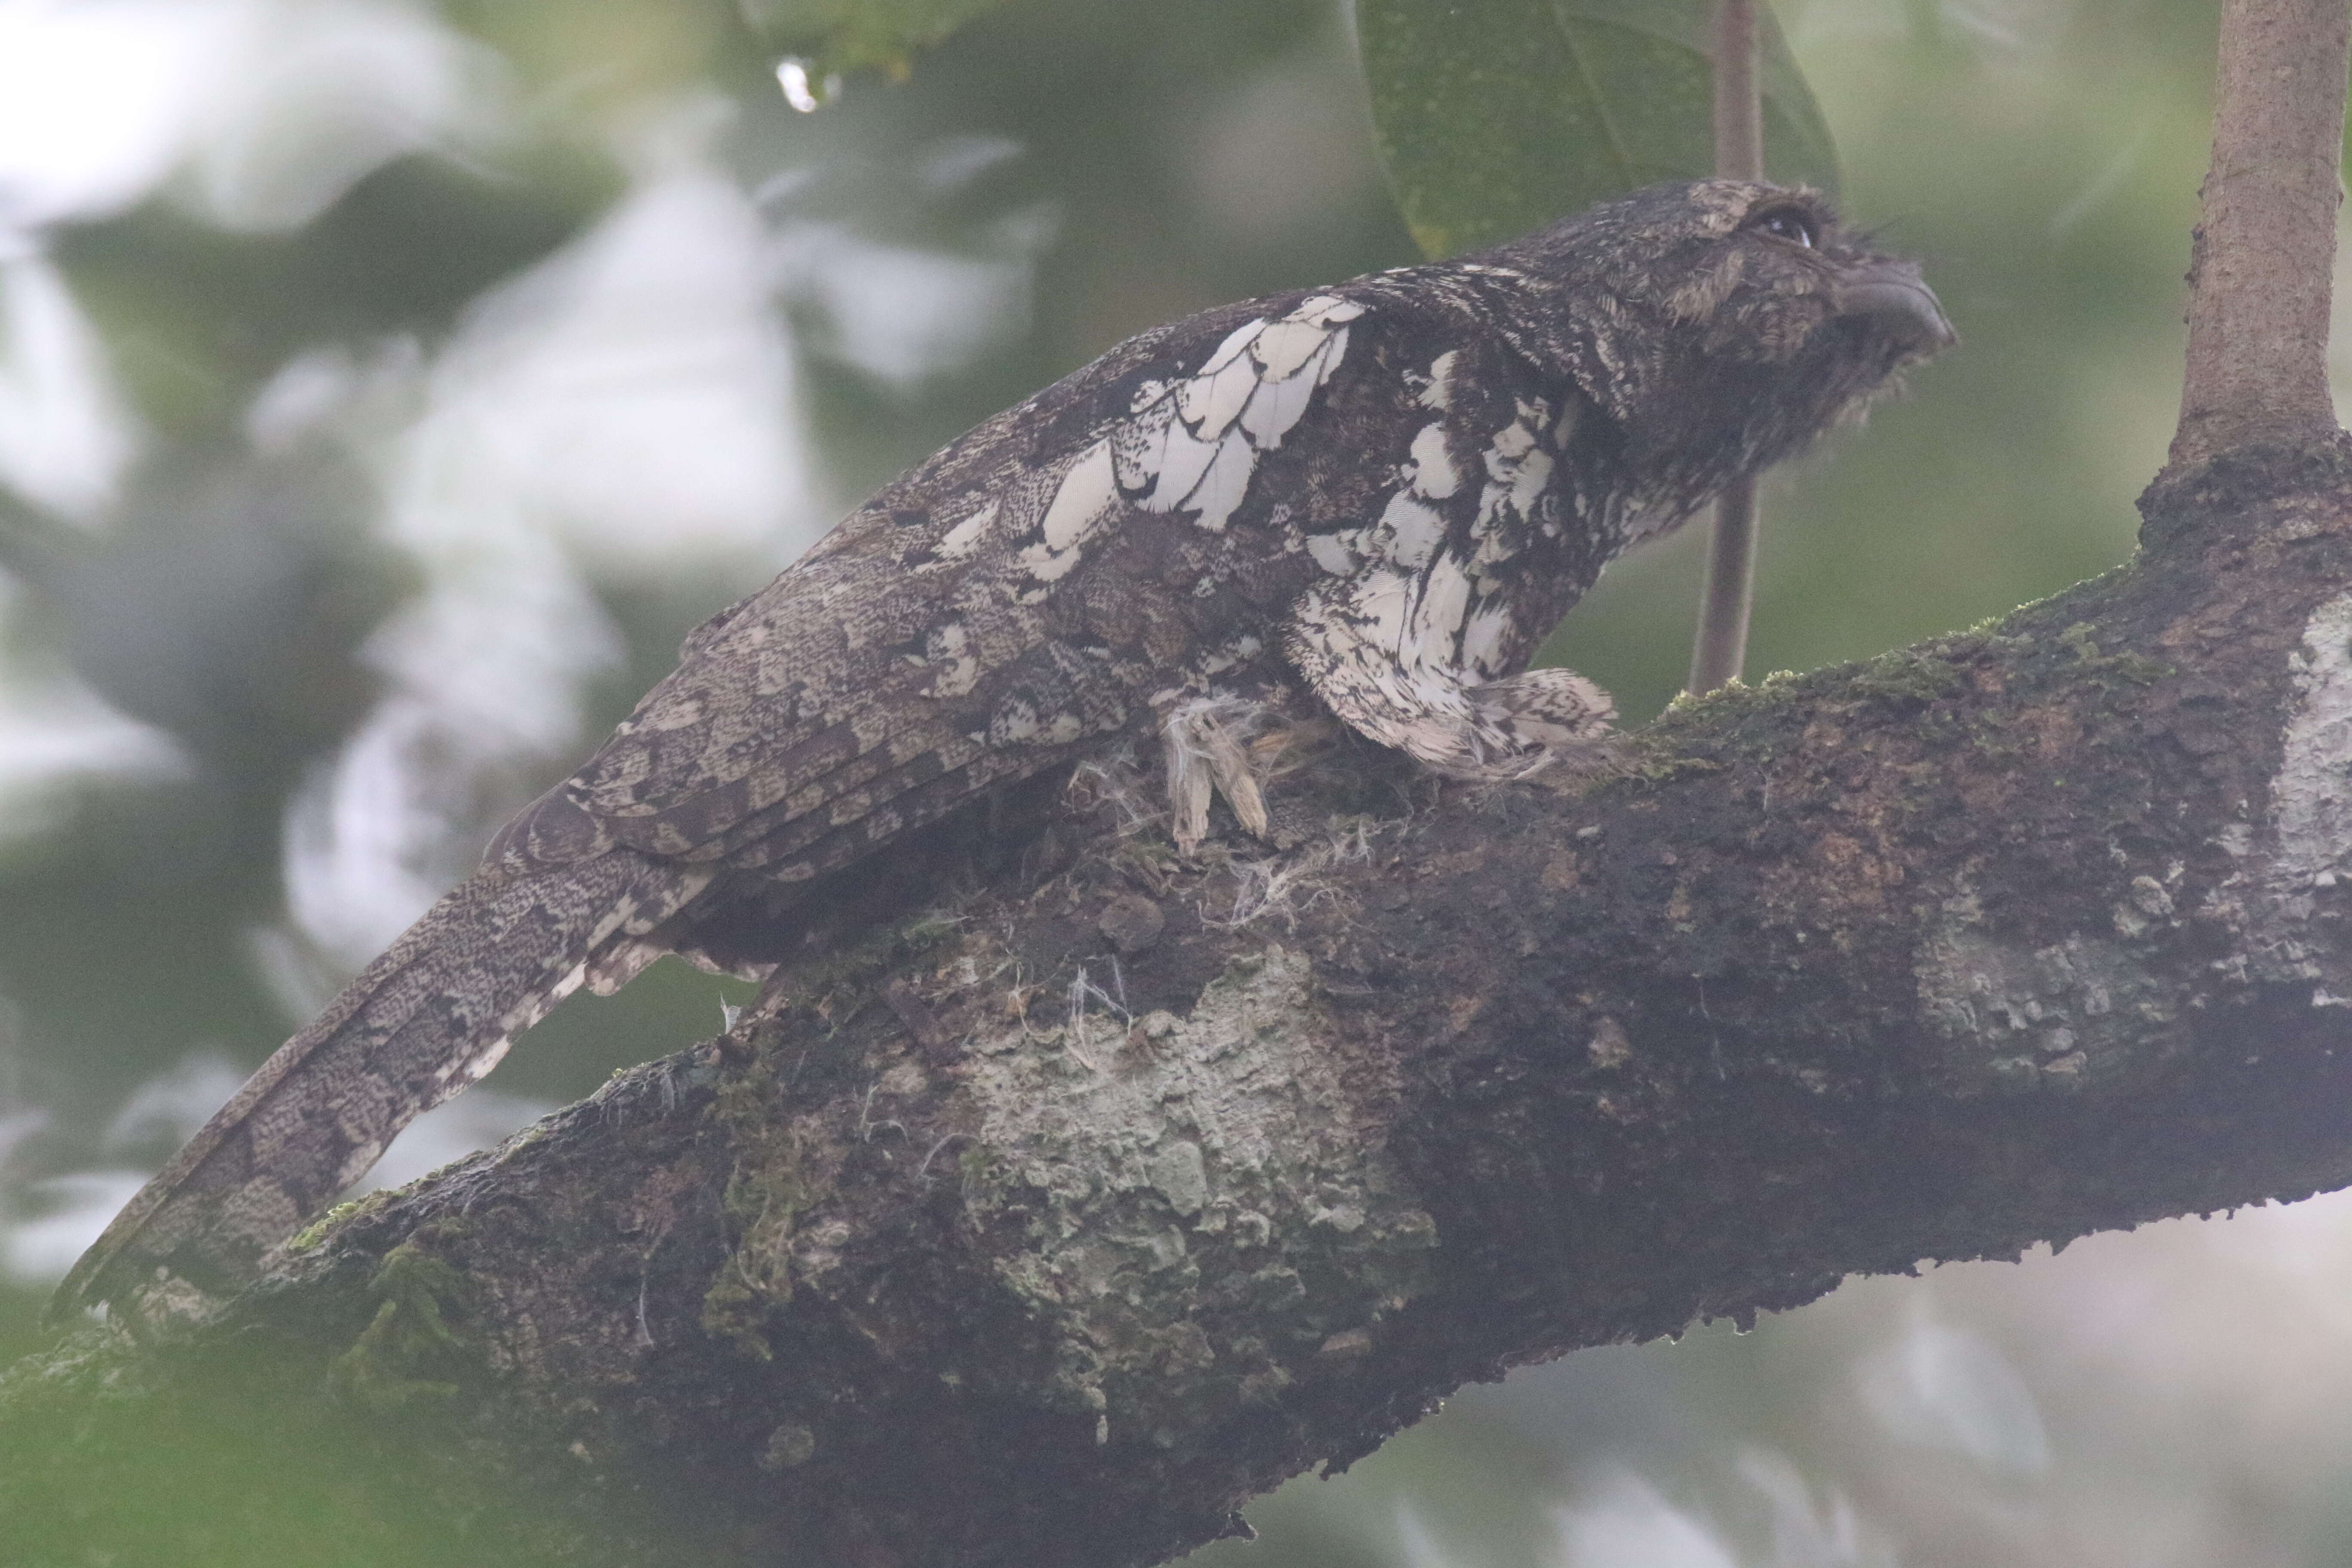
1382, 494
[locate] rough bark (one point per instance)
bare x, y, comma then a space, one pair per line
2260, 262
1050, 1230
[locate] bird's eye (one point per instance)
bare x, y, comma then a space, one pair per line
1792, 224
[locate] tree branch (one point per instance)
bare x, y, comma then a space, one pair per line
1051, 1230
2262, 259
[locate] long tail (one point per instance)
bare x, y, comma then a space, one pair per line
421, 1023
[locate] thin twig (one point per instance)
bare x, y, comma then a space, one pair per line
1739, 95
1721, 650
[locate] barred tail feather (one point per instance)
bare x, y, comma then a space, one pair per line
421, 1023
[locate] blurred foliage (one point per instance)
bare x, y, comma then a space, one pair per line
198, 315
588, 65
1497, 117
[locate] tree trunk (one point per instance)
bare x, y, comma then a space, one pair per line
1051, 1228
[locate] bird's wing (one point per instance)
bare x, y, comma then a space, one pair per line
979, 620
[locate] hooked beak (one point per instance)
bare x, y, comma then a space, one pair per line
1893, 292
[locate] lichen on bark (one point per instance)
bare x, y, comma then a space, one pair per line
1203, 1194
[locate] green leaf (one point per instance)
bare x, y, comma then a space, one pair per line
857, 35
1495, 117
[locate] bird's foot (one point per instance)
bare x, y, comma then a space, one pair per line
1204, 740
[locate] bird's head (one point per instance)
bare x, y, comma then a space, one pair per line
1724, 323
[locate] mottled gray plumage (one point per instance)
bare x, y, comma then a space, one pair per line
1388, 490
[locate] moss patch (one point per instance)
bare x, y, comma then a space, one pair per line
391, 1366
765, 1190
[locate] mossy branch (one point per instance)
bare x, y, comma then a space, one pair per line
1043, 1232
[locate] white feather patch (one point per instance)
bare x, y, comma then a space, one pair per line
1439, 393
1275, 407
964, 537
1088, 494
1195, 444
1482, 639
1438, 611
1382, 609
1237, 339
1326, 309
1434, 474
1183, 460
1411, 529
1085, 495
1331, 552
1212, 401
1220, 488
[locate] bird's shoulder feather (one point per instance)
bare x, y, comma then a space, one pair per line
1019, 596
